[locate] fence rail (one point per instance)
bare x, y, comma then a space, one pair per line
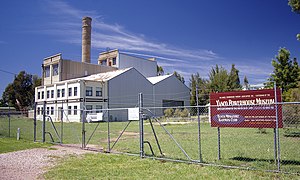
183, 134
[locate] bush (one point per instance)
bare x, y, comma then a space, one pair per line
169, 112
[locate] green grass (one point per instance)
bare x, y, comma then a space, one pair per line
11, 144
244, 147
108, 166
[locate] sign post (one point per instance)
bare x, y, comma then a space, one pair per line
248, 109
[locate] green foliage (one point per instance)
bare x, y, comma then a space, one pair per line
246, 83
286, 72
203, 90
221, 80
184, 113
169, 112
177, 113
295, 5
233, 79
178, 76
160, 70
20, 93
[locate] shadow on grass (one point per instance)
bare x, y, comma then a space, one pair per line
284, 162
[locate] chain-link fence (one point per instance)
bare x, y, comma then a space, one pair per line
181, 133
16, 124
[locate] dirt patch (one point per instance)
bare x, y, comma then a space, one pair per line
32, 163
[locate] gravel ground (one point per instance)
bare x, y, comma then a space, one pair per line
32, 163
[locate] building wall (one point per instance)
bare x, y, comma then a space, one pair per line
67, 69
169, 89
67, 101
146, 67
124, 90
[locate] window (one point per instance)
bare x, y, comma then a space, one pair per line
89, 108
48, 94
62, 92
58, 93
98, 108
42, 94
104, 62
75, 91
98, 91
69, 110
114, 61
70, 91
55, 69
38, 111
89, 91
42, 110
52, 93
75, 110
48, 110
52, 110
47, 71
39, 95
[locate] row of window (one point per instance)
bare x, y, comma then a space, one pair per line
89, 108
104, 62
60, 93
50, 110
71, 92
54, 70
89, 91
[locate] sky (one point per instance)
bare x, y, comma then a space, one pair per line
185, 36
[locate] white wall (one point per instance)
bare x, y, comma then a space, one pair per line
146, 67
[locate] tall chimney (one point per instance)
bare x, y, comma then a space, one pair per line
86, 39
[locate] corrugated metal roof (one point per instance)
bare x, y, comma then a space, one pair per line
157, 79
105, 76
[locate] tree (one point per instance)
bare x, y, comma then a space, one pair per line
218, 78
20, 93
286, 72
160, 70
295, 5
203, 90
181, 78
246, 83
234, 79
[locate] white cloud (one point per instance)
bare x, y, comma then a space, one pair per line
67, 26
111, 35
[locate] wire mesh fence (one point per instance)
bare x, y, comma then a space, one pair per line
181, 133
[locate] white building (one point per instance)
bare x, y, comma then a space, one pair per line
114, 82
114, 89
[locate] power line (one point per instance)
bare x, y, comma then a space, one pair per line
7, 72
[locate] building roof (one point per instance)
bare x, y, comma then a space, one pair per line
105, 76
157, 79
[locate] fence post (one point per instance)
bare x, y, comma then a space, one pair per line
8, 121
34, 122
199, 126
108, 133
44, 122
277, 126
62, 125
141, 123
219, 144
83, 129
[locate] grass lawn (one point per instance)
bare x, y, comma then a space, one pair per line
244, 147
11, 144
109, 166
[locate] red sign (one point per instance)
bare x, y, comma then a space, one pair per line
251, 109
